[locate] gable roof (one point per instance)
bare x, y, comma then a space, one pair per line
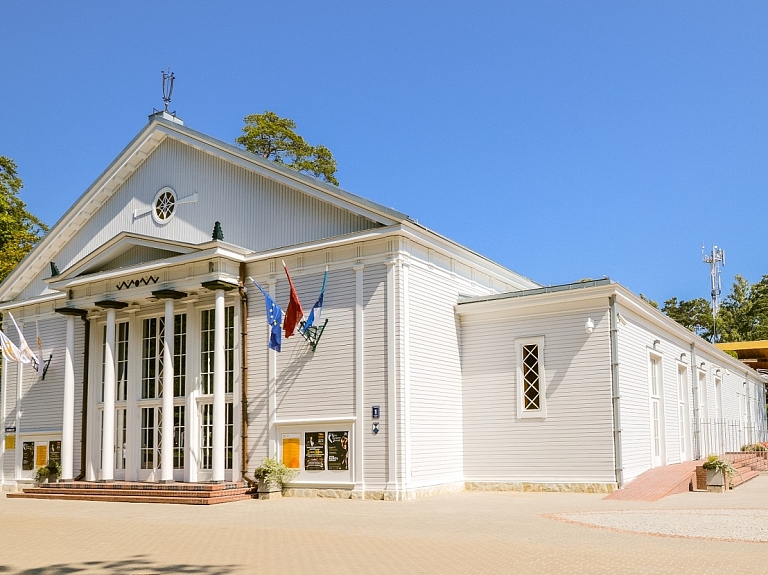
134, 154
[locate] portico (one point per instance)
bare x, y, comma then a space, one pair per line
163, 366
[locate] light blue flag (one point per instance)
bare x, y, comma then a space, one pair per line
274, 319
314, 315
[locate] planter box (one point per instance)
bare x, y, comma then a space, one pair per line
269, 490
716, 481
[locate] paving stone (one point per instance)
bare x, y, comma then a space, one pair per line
481, 532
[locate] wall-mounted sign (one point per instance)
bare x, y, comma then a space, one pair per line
314, 451
338, 450
138, 283
10, 442
10, 429
291, 450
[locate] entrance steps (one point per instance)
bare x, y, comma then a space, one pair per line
130, 492
748, 465
660, 482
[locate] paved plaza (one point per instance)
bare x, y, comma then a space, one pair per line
470, 532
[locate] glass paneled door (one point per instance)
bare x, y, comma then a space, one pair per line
151, 395
205, 398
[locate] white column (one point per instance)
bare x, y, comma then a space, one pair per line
360, 422
3, 387
191, 419
68, 423
219, 429
272, 387
406, 376
391, 383
166, 454
108, 421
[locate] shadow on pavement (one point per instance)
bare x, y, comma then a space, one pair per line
136, 565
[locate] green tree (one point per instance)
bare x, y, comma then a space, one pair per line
743, 315
744, 312
695, 314
19, 229
650, 302
274, 138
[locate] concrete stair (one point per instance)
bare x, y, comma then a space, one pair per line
130, 492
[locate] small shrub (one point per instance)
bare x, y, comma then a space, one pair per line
274, 473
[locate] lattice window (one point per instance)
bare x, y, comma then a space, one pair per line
531, 383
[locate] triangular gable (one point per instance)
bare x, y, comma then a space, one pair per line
133, 156
125, 250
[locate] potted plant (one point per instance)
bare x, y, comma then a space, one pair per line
272, 475
717, 469
54, 471
41, 474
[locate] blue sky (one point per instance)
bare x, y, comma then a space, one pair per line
563, 140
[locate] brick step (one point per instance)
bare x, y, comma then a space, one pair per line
743, 477
189, 500
136, 492
139, 486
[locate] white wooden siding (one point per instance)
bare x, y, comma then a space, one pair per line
42, 400
574, 443
375, 374
436, 438
255, 212
319, 384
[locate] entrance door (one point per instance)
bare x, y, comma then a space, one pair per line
656, 413
150, 438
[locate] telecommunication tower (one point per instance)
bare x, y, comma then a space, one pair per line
714, 259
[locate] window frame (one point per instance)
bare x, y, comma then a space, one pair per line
541, 412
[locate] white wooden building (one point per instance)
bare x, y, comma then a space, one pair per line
439, 368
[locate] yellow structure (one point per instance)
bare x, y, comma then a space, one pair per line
752, 353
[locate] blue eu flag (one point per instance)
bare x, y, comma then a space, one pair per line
274, 319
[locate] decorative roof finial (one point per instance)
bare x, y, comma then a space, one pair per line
217, 233
168, 78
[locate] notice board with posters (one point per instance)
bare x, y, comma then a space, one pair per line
338, 450
314, 451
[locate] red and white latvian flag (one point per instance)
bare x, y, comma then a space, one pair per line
294, 313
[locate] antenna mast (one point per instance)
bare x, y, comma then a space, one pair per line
714, 259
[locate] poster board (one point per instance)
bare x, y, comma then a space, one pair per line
10, 442
291, 450
314, 451
41, 455
338, 450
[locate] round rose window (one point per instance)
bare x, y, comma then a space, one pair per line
164, 205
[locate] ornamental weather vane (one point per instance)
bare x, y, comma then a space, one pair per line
168, 78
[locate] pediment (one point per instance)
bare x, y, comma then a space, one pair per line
126, 250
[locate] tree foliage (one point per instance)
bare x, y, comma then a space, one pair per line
274, 138
743, 315
19, 229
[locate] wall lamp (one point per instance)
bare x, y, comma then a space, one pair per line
656, 342
589, 327
682, 357
703, 363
